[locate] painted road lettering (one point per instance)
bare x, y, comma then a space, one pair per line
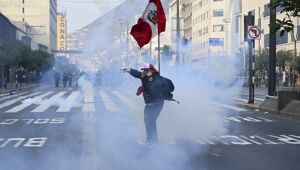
33, 121
243, 140
23, 142
240, 119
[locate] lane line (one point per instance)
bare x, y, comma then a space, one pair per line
10, 102
69, 103
132, 105
48, 103
229, 107
89, 103
27, 104
108, 103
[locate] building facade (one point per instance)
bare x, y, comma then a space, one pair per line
261, 11
212, 23
40, 16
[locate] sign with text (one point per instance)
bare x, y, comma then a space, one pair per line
61, 32
216, 41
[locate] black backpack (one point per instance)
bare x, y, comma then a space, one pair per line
167, 88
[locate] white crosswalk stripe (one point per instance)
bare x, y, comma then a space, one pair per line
132, 105
13, 101
12, 96
71, 100
67, 100
89, 103
27, 104
108, 103
44, 106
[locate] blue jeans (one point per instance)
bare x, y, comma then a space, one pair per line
151, 114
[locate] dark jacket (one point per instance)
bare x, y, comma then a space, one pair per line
152, 89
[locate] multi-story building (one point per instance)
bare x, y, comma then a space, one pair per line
187, 13
261, 11
40, 16
212, 22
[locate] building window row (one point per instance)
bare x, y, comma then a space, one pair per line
218, 28
218, 12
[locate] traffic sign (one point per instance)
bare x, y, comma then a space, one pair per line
216, 41
254, 32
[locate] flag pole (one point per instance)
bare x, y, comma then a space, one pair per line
158, 38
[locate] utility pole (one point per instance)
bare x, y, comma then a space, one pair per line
272, 53
177, 32
250, 22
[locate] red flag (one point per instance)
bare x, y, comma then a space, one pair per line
150, 24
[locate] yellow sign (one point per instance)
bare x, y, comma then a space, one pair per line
61, 32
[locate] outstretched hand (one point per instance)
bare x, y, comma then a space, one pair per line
126, 70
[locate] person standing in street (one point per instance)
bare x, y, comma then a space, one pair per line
154, 91
56, 78
65, 79
70, 77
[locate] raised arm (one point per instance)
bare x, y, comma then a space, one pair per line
133, 72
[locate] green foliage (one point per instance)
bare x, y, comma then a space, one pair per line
291, 8
283, 58
17, 55
262, 60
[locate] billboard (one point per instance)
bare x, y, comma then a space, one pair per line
61, 32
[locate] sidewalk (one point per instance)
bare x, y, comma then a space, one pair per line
20, 88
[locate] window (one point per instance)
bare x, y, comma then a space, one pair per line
218, 12
23, 10
217, 0
266, 10
281, 39
23, 1
218, 28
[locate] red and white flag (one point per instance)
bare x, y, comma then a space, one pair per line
152, 22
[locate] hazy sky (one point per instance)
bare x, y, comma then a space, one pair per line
82, 12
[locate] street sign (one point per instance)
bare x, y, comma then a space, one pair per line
216, 41
254, 32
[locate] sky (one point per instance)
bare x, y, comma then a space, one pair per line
82, 12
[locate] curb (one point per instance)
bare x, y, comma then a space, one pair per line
274, 112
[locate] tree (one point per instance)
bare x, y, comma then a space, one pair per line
14, 53
283, 58
291, 9
262, 60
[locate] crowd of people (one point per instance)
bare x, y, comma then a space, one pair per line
67, 79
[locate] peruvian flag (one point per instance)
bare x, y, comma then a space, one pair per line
152, 22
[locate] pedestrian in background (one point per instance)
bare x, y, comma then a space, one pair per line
70, 78
56, 78
65, 79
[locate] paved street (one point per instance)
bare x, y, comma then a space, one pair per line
103, 129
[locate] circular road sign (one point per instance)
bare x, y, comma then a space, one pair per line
254, 32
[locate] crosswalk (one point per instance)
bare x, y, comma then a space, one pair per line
63, 101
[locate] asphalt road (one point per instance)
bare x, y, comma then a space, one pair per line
70, 129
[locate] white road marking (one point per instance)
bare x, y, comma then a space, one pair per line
10, 102
89, 103
132, 105
26, 104
48, 103
108, 103
11, 96
67, 106
229, 107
